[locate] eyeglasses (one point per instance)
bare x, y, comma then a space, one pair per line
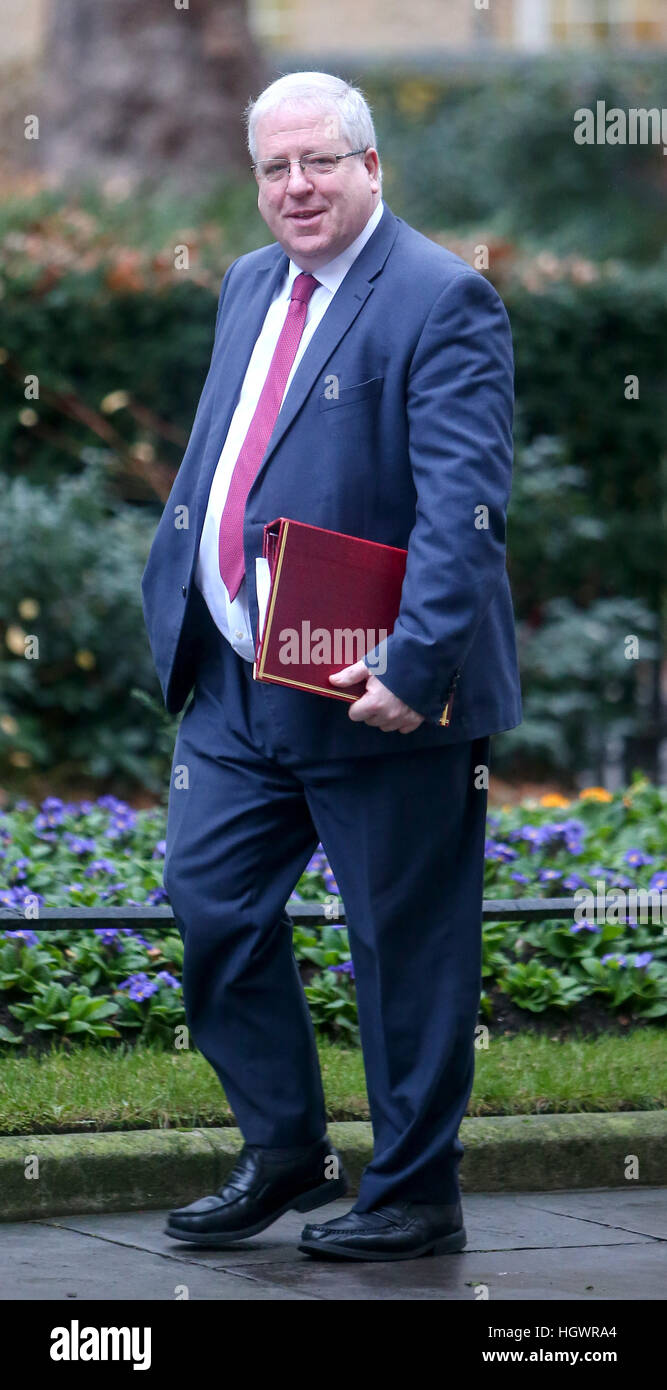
273, 170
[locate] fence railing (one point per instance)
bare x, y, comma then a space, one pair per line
300, 914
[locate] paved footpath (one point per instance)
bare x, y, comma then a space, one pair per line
583, 1246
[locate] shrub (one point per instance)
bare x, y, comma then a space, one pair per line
70, 565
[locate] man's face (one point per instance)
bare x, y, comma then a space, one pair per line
341, 203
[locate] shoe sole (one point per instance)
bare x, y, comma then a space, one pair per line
443, 1245
307, 1201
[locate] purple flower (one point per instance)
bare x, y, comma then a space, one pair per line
574, 881
159, 851
493, 849
78, 844
17, 870
547, 875
129, 931
636, 857
157, 896
107, 935
168, 979
329, 880
659, 881
642, 959
111, 803
19, 895
569, 832
123, 820
585, 926
74, 888
519, 877
138, 986
620, 881
99, 866
29, 937
530, 833
51, 813
613, 955
347, 968
599, 871
113, 888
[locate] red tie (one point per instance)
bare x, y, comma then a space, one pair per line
260, 429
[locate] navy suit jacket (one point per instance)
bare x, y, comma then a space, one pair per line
411, 445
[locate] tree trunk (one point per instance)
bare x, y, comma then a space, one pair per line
139, 90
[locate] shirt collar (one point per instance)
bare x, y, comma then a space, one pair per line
333, 273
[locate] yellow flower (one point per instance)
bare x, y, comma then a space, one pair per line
595, 794
115, 400
29, 608
553, 799
85, 659
143, 451
15, 639
20, 759
8, 724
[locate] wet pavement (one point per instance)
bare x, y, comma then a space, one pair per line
601, 1244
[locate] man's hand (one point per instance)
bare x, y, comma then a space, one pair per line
377, 706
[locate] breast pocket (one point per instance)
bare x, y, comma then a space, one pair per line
363, 392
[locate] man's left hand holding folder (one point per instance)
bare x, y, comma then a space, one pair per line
377, 706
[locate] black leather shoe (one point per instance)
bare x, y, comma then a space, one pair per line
259, 1189
399, 1231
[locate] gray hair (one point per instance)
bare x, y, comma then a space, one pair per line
322, 93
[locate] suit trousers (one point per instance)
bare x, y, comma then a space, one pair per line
404, 835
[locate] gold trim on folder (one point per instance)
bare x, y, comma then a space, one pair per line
258, 671
274, 591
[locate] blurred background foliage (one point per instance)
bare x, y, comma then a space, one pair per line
91, 302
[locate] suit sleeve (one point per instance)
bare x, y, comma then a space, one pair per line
460, 396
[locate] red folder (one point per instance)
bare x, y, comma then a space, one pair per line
333, 598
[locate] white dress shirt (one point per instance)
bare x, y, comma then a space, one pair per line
232, 617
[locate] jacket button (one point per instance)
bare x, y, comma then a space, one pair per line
184, 590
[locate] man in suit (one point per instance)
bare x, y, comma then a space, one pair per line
361, 380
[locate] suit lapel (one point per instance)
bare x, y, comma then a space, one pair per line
347, 302
237, 346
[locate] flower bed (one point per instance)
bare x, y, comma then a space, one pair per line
112, 983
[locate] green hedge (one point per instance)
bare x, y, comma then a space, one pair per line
120, 341
493, 144
70, 565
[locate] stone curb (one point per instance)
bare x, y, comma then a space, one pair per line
149, 1169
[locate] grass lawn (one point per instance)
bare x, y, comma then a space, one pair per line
91, 1088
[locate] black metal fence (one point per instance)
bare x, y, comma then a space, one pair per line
301, 914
